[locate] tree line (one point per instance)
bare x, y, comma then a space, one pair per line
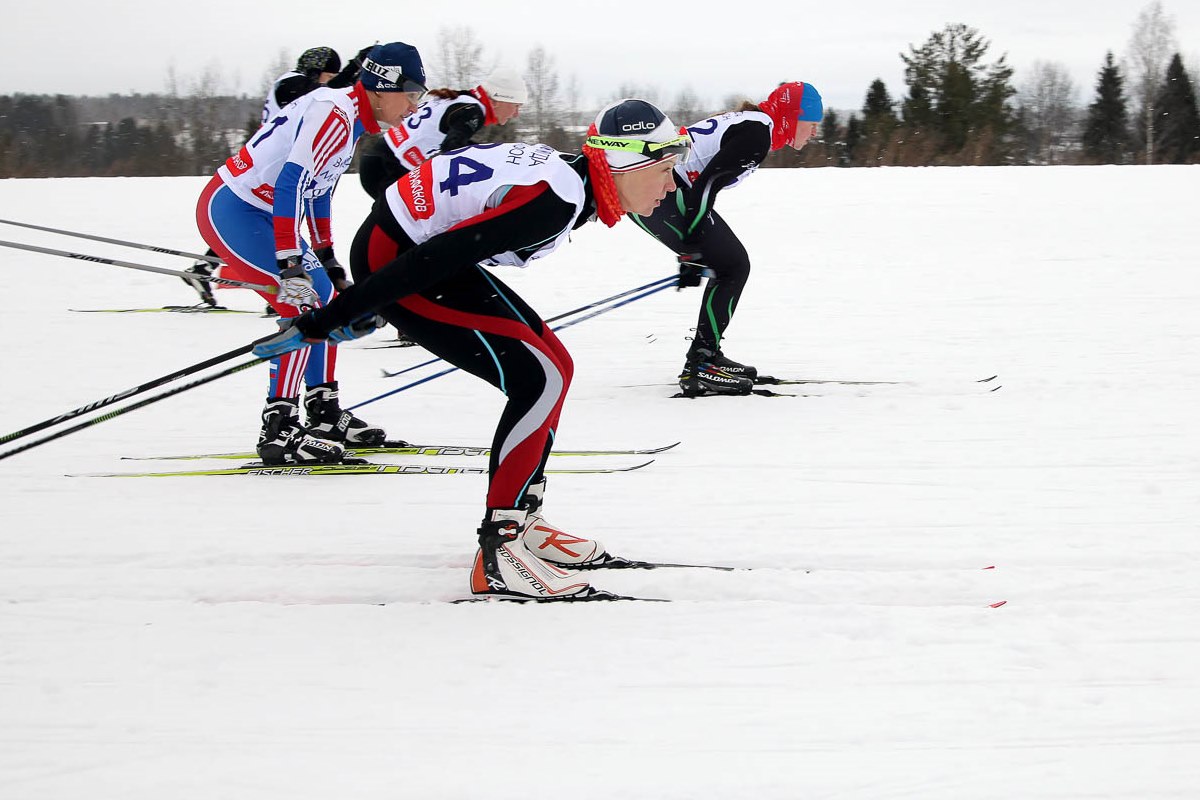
960, 108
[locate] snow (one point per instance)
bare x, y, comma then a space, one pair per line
239, 638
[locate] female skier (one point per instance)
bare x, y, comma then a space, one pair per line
251, 213
727, 148
419, 263
447, 120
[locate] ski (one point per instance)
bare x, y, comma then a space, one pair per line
401, 448
989, 384
388, 345
608, 561
196, 309
768, 380
593, 595
257, 469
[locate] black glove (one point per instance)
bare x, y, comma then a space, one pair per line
335, 271
691, 270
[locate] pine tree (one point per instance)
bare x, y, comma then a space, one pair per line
1106, 134
1177, 130
955, 95
878, 111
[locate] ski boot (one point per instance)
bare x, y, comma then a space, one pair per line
282, 440
505, 568
203, 288
327, 419
549, 543
709, 372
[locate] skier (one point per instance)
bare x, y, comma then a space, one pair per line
316, 67
251, 212
419, 262
728, 147
446, 121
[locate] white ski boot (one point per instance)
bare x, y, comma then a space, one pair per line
504, 567
551, 544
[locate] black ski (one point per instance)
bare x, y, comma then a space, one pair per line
200, 308
593, 596
768, 380
609, 561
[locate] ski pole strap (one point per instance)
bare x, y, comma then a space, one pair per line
138, 245
190, 276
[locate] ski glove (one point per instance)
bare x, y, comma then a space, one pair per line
691, 270
290, 336
295, 287
335, 271
363, 326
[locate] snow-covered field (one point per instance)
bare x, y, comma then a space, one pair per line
200, 638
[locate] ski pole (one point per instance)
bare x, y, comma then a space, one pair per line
387, 374
144, 267
152, 248
665, 284
136, 390
134, 406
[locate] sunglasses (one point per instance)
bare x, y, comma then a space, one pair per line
415, 90
680, 146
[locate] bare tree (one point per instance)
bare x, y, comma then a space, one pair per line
1047, 100
544, 109
687, 107
459, 61
1150, 49
282, 63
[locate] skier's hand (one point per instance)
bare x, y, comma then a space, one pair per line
363, 326
691, 270
295, 287
335, 271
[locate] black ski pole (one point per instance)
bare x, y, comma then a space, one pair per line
152, 248
133, 407
136, 390
190, 276
555, 318
665, 284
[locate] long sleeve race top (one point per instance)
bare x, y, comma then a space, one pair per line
291, 165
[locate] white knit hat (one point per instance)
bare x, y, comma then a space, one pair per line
506, 86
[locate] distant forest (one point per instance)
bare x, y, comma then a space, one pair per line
959, 108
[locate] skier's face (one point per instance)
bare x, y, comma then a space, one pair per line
804, 132
642, 190
392, 107
505, 111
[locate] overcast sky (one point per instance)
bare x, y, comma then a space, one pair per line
714, 48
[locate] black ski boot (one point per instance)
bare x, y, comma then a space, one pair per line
327, 419
283, 441
203, 288
717, 359
703, 374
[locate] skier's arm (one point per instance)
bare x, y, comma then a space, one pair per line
528, 217
744, 146
324, 132
460, 122
289, 89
